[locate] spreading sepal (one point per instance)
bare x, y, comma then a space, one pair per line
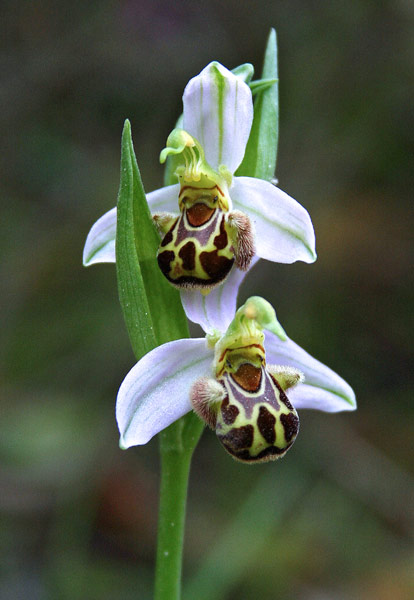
323, 389
156, 392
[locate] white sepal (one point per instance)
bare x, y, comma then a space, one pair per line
218, 112
323, 389
284, 230
156, 392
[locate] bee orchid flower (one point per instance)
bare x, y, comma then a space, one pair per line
244, 383
224, 220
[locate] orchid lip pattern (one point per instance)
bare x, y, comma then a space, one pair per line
201, 246
176, 377
218, 113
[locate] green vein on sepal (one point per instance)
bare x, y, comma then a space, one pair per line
261, 151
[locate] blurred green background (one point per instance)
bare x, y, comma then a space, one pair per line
335, 517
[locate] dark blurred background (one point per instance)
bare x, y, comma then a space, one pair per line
335, 517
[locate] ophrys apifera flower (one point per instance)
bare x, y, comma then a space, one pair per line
245, 383
222, 219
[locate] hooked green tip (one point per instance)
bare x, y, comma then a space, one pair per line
177, 141
262, 311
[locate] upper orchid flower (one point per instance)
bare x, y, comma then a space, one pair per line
236, 382
223, 218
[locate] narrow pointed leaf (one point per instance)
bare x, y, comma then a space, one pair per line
131, 287
168, 316
152, 308
261, 151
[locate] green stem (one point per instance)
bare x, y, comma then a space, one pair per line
177, 445
173, 497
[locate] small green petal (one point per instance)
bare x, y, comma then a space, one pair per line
260, 85
245, 72
263, 312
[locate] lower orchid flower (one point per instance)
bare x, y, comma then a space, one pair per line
223, 220
237, 382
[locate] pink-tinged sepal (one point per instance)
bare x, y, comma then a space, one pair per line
156, 392
283, 228
322, 389
100, 242
215, 311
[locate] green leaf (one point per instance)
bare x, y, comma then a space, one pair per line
261, 151
131, 289
170, 321
152, 307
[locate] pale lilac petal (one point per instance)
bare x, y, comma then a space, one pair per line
323, 389
100, 243
165, 199
217, 309
284, 230
156, 392
218, 112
